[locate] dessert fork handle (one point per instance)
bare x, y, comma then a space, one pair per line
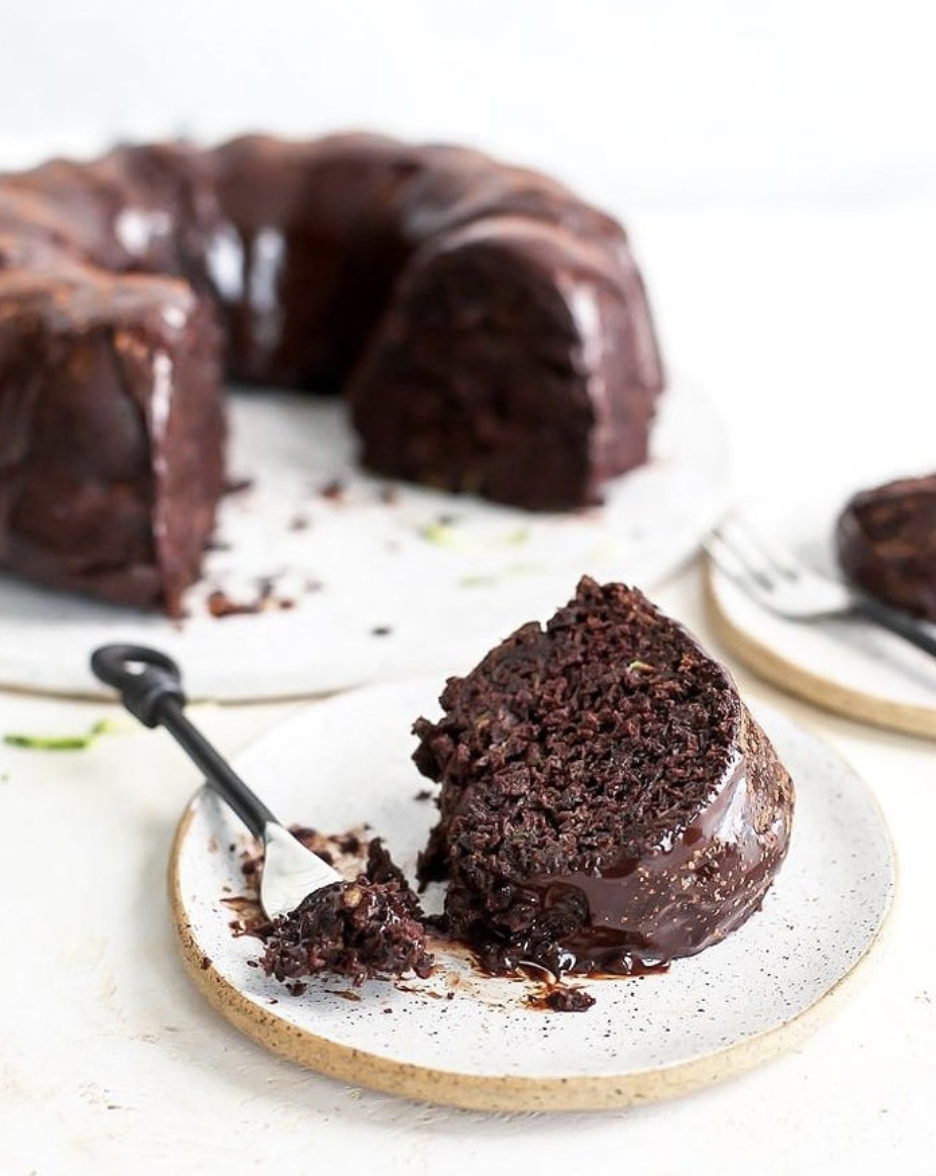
897, 622
150, 686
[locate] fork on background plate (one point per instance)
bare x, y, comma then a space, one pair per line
777, 580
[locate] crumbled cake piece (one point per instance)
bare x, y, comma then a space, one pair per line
563, 999
369, 928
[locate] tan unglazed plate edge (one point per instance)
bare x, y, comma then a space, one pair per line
492, 1093
794, 678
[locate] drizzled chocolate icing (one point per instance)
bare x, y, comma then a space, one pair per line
110, 435
490, 327
688, 893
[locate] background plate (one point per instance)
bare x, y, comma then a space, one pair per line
848, 666
381, 589
346, 760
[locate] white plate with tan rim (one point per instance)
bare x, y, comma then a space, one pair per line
848, 666
473, 1041
383, 581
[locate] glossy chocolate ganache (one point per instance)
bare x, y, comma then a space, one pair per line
608, 804
488, 327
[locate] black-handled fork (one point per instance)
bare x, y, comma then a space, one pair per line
150, 687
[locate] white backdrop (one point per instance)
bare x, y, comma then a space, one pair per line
774, 161
640, 102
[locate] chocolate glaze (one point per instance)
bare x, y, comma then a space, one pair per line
886, 541
682, 897
628, 881
111, 430
307, 251
319, 259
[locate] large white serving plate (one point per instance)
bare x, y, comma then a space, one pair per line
346, 761
381, 589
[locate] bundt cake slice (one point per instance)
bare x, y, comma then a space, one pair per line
608, 804
886, 540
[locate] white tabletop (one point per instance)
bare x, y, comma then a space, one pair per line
813, 331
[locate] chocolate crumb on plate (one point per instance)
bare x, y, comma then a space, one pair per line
568, 1000
370, 928
221, 605
238, 485
333, 490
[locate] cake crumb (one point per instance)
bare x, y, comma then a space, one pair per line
221, 605
568, 1000
333, 491
370, 927
238, 485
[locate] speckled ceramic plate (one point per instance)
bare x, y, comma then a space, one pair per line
384, 583
468, 1040
847, 666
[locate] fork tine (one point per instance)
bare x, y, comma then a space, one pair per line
774, 556
728, 562
745, 559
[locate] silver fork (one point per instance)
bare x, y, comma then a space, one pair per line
778, 581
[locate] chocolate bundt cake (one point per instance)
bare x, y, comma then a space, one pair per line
608, 804
886, 542
489, 327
